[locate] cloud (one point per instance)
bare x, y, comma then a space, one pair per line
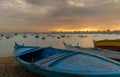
57, 13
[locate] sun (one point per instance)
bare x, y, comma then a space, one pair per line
64, 30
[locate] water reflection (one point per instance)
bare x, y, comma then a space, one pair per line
55, 40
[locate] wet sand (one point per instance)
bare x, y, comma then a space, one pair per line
10, 68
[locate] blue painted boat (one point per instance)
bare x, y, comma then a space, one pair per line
52, 62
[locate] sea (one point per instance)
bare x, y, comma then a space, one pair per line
55, 40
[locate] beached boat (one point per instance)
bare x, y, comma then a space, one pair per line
51, 62
106, 53
108, 44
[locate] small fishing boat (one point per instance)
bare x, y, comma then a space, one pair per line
2, 35
108, 44
106, 53
25, 36
62, 36
67, 36
37, 36
49, 35
15, 34
53, 36
58, 37
43, 38
82, 36
52, 62
8, 36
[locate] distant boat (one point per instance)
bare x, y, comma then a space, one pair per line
82, 36
58, 37
43, 38
49, 35
67, 36
106, 53
25, 36
62, 36
52, 36
15, 34
2, 35
52, 62
37, 36
8, 36
108, 44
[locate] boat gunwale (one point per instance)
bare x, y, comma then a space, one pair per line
96, 51
23, 62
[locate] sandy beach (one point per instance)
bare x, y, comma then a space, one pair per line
10, 68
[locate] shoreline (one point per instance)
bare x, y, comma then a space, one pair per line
10, 68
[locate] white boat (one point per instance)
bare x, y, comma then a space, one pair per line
106, 53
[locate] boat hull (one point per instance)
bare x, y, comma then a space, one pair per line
33, 68
117, 48
57, 64
106, 53
108, 44
47, 73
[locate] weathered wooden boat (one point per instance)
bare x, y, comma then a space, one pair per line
108, 44
51, 62
106, 53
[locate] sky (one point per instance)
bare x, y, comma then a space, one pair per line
59, 15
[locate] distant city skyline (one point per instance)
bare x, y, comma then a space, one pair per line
59, 15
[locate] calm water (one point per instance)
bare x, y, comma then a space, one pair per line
55, 40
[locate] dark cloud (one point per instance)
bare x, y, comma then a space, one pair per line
50, 3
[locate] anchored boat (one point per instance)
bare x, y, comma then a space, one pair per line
52, 62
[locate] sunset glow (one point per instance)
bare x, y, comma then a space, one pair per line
72, 30
88, 29
59, 15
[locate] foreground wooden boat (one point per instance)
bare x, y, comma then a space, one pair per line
52, 62
106, 53
108, 44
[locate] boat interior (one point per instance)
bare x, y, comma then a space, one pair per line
40, 54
